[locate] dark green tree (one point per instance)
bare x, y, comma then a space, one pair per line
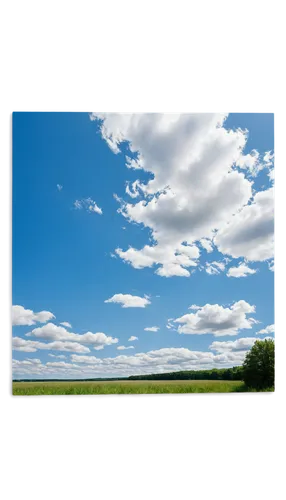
258, 367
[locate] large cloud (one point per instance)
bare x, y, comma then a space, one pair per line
127, 300
22, 316
198, 184
19, 344
217, 319
242, 344
156, 361
54, 332
250, 233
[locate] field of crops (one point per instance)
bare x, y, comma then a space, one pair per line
125, 387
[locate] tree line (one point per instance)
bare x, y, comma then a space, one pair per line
234, 373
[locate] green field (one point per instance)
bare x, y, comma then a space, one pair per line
126, 387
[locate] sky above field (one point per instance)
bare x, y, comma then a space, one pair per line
141, 243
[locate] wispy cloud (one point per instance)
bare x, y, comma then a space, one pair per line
124, 348
89, 205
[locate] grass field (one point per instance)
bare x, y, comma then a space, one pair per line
126, 387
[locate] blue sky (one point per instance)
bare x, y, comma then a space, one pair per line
64, 253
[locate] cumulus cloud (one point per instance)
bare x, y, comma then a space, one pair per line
156, 361
268, 329
66, 324
215, 267
127, 300
159, 361
271, 175
27, 317
152, 329
250, 232
133, 192
206, 244
53, 332
240, 271
132, 338
218, 320
184, 154
243, 344
60, 356
89, 205
124, 348
19, 344
268, 159
172, 259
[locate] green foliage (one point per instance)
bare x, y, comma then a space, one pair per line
234, 373
258, 367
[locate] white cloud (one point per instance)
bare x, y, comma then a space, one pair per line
206, 244
60, 356
195, 188
250, 162
88, 204
78, 204
250, 232
240, 271
215, 267
132, 338
243, 344
19, 344
123, 348
134, 191
59, 187
66, 324
54, 332
271, 266
268, 159
60, 364
195, 307
156, 361
127, 300
218, 320
172, 258
268, 329
152, 329
22, 316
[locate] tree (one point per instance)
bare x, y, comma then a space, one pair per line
258, 367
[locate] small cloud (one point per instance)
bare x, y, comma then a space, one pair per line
59, 187
132, 338
123, 348
65, 323
271, 266
88, 204
127, 300
77, 204
241, 271
265, 331
60, 356
152, 329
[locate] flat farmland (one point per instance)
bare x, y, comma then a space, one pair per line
38, 388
